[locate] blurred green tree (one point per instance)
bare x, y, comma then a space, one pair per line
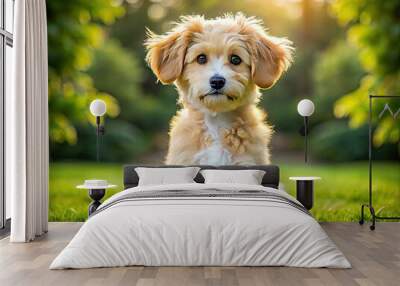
118, 71
337, 71
75, 28
123, 142
310, 40
374, 27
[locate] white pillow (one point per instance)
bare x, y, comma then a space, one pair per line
248, 177
166, 176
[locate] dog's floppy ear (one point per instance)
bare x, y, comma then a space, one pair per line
165, 56
166, 53
270, 58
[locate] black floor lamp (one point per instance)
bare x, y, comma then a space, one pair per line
98, 108
305, 108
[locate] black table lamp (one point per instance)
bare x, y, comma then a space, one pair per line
98, 108
305, 108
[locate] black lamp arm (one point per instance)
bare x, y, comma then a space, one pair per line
306, 131
100, 128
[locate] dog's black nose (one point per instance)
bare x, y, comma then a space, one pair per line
217, 82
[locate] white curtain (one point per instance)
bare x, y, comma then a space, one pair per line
27, 124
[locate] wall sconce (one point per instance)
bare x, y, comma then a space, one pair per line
98, 108
305, 108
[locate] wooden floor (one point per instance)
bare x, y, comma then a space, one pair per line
375, 257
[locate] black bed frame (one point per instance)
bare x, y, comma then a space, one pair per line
270, 179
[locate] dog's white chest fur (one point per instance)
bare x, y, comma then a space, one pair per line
216, 153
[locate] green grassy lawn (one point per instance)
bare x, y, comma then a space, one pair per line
337, 196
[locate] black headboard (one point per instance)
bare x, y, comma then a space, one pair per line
271, 177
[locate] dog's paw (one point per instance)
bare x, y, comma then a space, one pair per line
236, 139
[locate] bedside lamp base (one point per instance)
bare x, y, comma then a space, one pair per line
96, 195
305, 193
305, 190
97, 190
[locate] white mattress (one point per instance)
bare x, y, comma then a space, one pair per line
200, 231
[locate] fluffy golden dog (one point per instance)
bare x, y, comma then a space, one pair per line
218, 66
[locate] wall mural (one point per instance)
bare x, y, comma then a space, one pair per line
234, 90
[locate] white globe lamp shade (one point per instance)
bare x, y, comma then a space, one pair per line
98, 107
305, 107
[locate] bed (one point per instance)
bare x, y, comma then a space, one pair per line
198, 224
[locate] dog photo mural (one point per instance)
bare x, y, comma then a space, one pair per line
218, 66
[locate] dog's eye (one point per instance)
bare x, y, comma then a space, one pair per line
202, 59
235, 60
